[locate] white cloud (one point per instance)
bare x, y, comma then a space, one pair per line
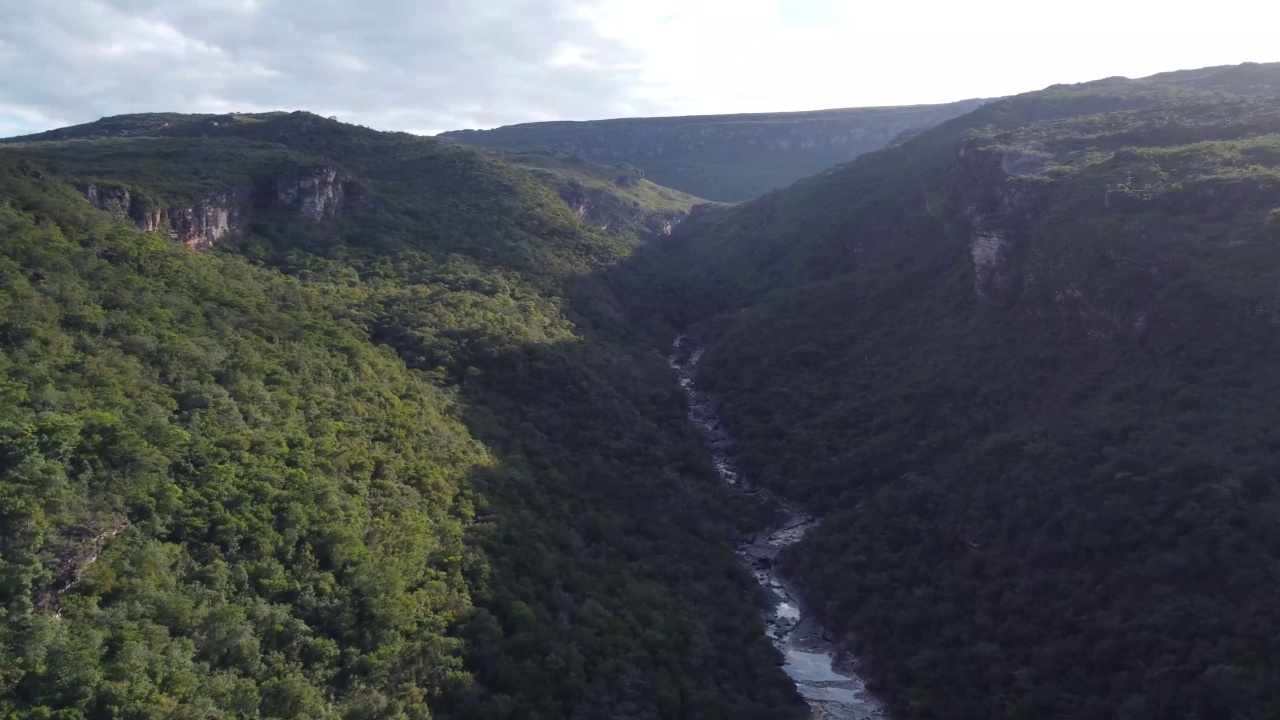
431, 65
714, 56
396, 64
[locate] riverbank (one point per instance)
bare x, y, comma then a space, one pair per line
811, 656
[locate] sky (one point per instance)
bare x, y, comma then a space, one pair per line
426, 66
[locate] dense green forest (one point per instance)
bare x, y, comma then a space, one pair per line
400, 441
1025, 366
391, 449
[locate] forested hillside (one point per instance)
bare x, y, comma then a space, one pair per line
303, 420
1025, 366
617, 199
369, 440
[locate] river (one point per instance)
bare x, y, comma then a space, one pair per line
812, 660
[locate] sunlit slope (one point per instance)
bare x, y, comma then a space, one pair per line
371, 439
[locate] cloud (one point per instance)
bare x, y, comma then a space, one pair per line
722, 56
417, 65
432, 65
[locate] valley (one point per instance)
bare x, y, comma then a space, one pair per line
339, 452
811, 659
967, 415
1020, 361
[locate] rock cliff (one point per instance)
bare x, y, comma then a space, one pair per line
197, 225
316, 193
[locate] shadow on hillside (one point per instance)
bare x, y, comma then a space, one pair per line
608, 536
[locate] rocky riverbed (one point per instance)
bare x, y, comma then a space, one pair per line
822, 674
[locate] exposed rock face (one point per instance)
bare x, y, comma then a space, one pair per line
998, 208
724, 157
1105, 293
318, 194
123, 204
988, 247
198, 226
1012, 264
115, 200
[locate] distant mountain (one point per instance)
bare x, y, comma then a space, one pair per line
727, 158
1026, 364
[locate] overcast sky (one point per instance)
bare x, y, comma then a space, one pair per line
431, 65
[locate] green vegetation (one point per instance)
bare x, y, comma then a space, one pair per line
409, 460
415, 454
615, 198
727, 158
219, 498
1024, 363
173, 170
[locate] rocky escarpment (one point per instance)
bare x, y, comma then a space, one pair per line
122, 204
200, 226
724, 157
997, 209
316, 194
197, 225
1108, 286
1006, 195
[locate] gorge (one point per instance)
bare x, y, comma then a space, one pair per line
811, 658
299, 419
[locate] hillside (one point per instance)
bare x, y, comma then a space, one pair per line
304, 420
1023, 364
727, 158
617, 199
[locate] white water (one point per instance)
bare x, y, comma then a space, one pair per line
810, 656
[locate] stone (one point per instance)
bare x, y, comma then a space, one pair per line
318, 194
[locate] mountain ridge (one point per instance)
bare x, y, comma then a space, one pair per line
617, 198
722, 157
